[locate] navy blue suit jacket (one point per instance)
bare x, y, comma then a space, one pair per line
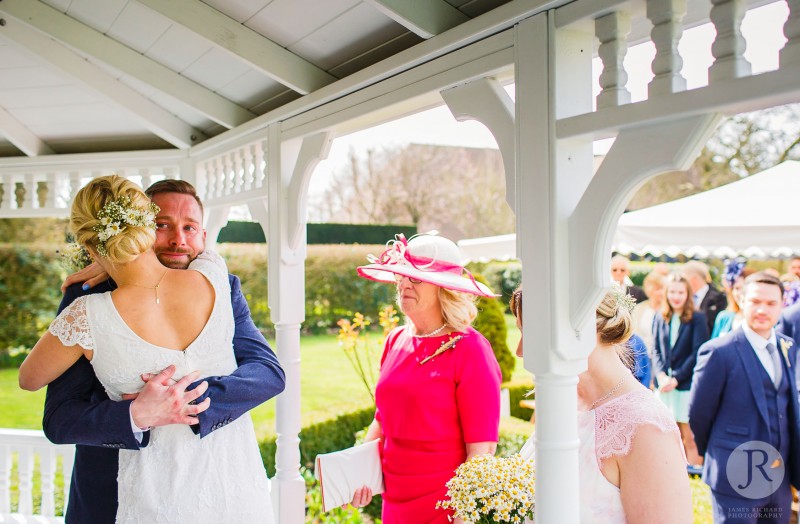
78, 411
682, 357
729, 406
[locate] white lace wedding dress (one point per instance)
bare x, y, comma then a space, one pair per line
178, 477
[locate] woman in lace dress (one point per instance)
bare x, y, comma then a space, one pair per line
155, 318
631, 463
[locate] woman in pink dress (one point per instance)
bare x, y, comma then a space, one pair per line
438, 395
631, 463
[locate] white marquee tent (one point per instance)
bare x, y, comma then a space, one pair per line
756, 217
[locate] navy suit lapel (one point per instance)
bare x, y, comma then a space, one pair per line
750, 361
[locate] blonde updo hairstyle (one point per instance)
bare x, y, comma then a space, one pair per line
614, 325
126, 245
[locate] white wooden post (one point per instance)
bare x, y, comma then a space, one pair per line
553, 78
5, 479
289, 167
216, 219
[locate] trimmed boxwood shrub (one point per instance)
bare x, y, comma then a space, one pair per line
492, 325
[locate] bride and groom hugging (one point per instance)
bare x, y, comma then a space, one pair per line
136, 460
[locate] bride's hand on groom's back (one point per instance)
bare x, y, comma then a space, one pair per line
91, 275
163, 401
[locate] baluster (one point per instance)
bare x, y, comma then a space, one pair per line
239, 159
260, 172
25, 471
51, 183
19, 194
170, 173
219, 177
47, 472
250, 168
147, 178
790, 54
230, 173
612, 30
729, 45
31, 198
74, 185
5, 477
67, 462
9, 193
205, 169
666, 17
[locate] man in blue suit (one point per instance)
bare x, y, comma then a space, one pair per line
744, 412
78, 411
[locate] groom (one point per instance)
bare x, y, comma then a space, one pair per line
78, 411
744, 412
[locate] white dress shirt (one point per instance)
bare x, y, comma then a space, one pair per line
699, 295
759, 344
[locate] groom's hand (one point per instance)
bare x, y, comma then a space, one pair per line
164, 401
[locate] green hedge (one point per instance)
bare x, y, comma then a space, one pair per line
251, 232
492, 325
323, 437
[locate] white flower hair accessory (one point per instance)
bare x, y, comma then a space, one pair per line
622, 297
117, 215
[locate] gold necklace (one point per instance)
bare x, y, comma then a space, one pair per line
151, 287
607, 395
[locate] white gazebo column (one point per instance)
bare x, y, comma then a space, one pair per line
553, 80
289, 168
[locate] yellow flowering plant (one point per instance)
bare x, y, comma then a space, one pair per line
488, 489
363, 355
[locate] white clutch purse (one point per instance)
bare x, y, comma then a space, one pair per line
341, 473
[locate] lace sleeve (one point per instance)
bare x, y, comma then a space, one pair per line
213, 267
72, 325
616, 422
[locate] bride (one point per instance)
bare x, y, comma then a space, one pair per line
156, 317
632, 467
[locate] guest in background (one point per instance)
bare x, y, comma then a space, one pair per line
631, 467
680, 331
644, 314
794, 267
789, 324
704, 296
438, 395
733, 282
642, 367
621, 274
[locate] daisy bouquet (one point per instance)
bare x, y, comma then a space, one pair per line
488, 489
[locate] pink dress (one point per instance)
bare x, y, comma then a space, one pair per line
608, 431
427, 413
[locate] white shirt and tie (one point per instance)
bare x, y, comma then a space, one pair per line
699, 295
769, 357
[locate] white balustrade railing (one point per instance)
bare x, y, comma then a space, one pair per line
233, 177
21, 451
48, 192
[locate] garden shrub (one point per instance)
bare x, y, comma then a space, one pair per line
503, 277
29, 295
516, 392
492, 325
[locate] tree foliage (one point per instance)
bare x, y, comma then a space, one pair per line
743, 145
456, 190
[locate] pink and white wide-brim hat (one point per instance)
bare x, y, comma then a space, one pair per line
426, 257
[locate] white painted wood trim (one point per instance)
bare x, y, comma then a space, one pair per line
22, 138
426, 18
265, 55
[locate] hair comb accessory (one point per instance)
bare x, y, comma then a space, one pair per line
117, 215
622, 298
